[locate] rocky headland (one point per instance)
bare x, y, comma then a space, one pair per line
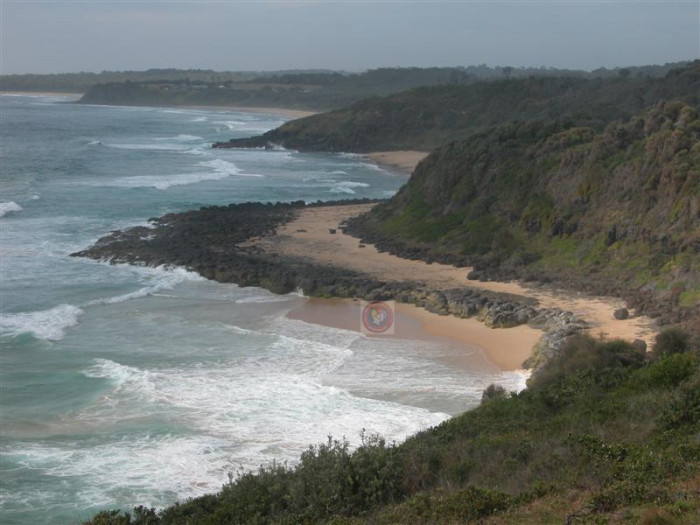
246, 244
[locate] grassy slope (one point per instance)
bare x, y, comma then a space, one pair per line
428, 117
619, 208
599, 436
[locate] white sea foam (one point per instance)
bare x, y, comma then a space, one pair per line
266, 299
182, 138
249, 126
342, 189
44, 324
232, 124
227, 168
165, 181
353, 156
198, 151
238, 330
346, 187
9, 207
143, 468
199, 119
352, 184
129, 382
155, 147
226, 400
164, 279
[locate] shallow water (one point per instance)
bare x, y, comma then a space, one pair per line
124, 385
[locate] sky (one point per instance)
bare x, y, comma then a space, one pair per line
55, 36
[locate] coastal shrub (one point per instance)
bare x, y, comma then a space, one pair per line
684, 408
583, 352
671, 341
141, 516
493, 391
668, 372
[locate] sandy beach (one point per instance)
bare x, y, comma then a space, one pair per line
291, 113
308, 237
404, 160
506, 348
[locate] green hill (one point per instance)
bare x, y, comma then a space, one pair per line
427, 117
615, 211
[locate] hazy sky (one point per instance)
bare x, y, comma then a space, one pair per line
59, 36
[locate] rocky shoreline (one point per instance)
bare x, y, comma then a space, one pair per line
213, 242
645, 301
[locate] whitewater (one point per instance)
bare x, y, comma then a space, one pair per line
125, 385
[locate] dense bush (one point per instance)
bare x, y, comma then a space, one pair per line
493, 391
671, 341
582, 353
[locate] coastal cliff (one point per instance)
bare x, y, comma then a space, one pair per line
614, 212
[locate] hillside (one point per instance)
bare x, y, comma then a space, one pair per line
427, 117
614, 212
406, 77
601, 437
315, 90
82, 82
302, 90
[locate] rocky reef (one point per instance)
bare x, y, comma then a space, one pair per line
215, 242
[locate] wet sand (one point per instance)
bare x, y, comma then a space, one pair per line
506, 348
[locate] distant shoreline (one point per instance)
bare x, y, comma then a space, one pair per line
292, 113
42, 93
286, 112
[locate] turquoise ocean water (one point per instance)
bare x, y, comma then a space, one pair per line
122, 385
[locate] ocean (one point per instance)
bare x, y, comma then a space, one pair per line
124, 385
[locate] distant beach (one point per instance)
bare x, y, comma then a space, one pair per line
284, 112
405, 160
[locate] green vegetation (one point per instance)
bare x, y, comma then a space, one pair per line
428, 117
600, 433
315, 89
615, 211
82, 82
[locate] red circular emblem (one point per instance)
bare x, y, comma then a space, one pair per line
377, 318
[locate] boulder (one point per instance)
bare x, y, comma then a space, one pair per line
621, 314
640, 346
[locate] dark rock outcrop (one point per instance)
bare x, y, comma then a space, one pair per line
621, 314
